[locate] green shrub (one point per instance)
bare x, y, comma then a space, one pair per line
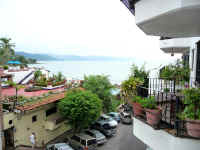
149, 103
192, 102
137, 99
5, 67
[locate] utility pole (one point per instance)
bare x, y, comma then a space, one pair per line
2, 143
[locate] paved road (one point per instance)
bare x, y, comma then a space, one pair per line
124, 140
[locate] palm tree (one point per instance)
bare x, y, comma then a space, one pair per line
6, 50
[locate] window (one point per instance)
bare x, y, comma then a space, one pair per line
51, 111
10, 122
83, 142
34, 119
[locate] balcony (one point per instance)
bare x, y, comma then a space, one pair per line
171, 132
54, 123
175, 45
171, 18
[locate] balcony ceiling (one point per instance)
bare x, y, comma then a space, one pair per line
175, 45
181, 22
179, 50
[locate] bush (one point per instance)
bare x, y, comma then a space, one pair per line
5, 67
192, 102
149, 103
136, 99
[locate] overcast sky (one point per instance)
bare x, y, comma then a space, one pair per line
79, 27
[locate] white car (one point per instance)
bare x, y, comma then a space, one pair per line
59, 146
108, 119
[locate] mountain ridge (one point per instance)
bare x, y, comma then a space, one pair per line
48, 57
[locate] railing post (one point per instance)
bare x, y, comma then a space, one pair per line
177, 120
174, 86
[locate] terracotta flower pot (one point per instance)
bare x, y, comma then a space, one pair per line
153, 116
193, 128
137, 109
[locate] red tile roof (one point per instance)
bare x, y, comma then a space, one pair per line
45, 101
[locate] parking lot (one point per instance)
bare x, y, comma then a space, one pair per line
124, 140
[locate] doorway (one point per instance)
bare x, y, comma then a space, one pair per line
9, 138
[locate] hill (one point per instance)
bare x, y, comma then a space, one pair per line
47, 57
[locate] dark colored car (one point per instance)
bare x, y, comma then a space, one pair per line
115, 116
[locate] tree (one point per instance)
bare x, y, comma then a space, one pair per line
129, 87
80, 108
100, 85
6, 50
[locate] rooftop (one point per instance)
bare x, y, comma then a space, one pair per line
43, 101
21, 92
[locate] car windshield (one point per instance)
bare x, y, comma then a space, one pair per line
90, 142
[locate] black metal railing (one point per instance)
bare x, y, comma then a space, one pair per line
168, 96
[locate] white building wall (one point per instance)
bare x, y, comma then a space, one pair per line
161, 140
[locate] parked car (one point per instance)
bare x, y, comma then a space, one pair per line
108, 119
100, 138
59, 146
83, 141
126, 118
105, 128
115, 116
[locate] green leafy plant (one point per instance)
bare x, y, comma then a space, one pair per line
129, 87
149, 103
178, 72
80, 108
166, 90
102, 87
192, 102
137, 99
5, 67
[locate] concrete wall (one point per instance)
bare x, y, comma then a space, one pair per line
6, 118
161, 140
23, 127
185, 3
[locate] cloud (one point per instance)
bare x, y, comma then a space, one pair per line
89, 27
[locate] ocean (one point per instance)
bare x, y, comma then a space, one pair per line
116, 70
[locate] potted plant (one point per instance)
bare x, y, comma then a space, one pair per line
191, 113
137, 107
153, 113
